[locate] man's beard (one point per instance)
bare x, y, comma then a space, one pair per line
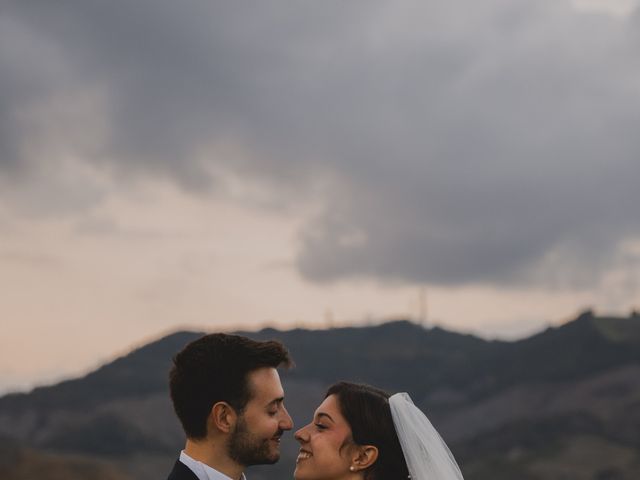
247, 449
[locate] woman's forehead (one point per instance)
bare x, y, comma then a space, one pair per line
331, 407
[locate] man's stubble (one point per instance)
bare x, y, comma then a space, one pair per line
247, 449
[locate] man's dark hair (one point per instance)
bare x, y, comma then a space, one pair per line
368, 413
213, 369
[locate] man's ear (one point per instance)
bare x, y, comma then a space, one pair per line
366, 455
222, 417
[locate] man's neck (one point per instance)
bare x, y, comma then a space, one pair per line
214, 456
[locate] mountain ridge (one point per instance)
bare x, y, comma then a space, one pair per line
495, 401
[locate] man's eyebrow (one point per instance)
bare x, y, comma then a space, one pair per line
275, 401
322, 414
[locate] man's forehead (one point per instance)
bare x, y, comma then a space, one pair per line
264, 383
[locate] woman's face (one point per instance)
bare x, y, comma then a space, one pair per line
324, 445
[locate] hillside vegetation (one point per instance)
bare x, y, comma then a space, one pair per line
562, 404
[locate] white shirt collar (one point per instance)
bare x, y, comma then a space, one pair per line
204, 471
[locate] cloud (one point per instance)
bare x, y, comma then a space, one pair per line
452, 143
30, 260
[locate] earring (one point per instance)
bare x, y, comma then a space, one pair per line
352, 468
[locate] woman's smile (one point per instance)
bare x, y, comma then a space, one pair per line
303, 455
322, 454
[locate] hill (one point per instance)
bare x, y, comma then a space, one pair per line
530, 408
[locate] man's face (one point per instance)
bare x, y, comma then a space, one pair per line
256, 438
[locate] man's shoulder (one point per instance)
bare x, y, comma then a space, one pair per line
181, 472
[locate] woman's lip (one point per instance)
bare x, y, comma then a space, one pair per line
303, 455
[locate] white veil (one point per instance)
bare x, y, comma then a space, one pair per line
426, 454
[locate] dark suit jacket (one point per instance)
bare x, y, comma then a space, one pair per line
181, 472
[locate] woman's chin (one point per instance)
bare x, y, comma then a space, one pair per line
299, 474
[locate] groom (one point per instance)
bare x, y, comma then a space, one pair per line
227, 394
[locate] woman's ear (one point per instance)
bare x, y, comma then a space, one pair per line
222, 417
365, 457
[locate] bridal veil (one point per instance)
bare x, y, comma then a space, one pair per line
426, 453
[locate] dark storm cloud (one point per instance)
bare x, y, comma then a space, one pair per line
462, 143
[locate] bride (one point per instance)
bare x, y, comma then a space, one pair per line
361, 433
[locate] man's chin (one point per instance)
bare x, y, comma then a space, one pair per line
268, 459
265, 461
273, 458
274, 454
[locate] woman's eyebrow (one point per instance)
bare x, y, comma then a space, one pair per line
322, 414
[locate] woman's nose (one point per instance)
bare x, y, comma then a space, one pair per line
301, 434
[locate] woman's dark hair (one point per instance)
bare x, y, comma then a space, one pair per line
367, 411
214, 368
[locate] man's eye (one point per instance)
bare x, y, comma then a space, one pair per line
272, 413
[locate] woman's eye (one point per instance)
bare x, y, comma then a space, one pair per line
319, 426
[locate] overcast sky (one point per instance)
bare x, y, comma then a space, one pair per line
202, 164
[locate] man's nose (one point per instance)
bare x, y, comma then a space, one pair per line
286, 423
